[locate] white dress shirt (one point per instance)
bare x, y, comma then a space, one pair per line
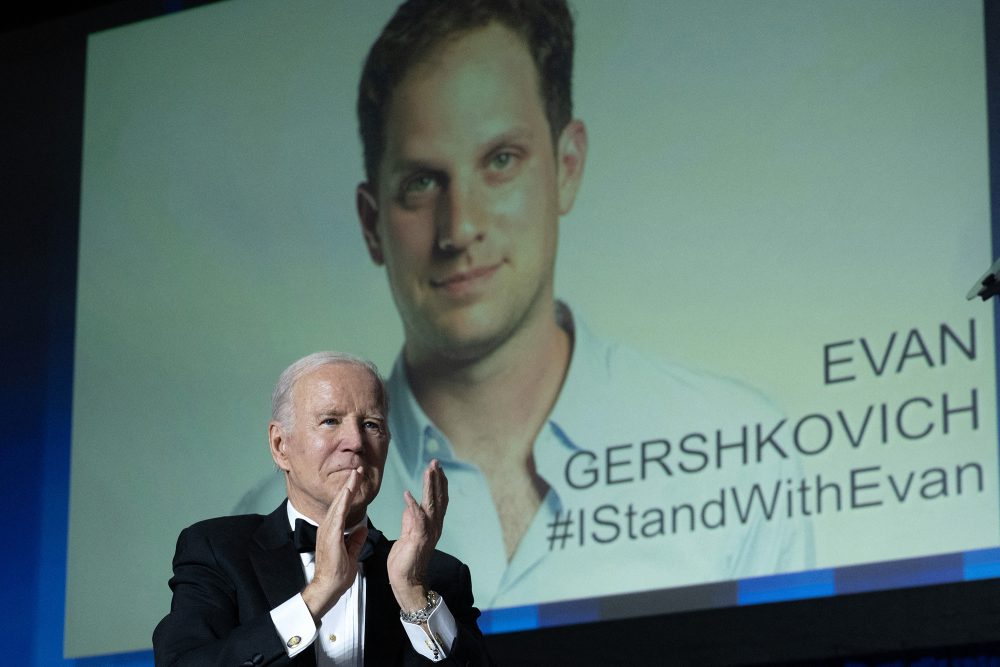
341, 632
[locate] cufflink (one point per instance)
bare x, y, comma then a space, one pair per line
432, 648
293, 641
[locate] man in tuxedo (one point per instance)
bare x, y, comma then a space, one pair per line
314, 583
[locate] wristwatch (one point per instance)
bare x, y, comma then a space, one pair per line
421, 615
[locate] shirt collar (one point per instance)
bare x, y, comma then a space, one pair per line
588, 375
294, 514
412, 430
415, 435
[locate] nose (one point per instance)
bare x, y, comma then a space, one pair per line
461, 219
351, 436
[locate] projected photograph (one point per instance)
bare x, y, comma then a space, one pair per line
681, 312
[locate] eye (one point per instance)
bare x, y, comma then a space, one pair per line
419, 184
503, 164
418, 190
502, 160
330, 421
373, 426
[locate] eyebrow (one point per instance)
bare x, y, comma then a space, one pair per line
414, 165
411, 166
514, 136
337, 412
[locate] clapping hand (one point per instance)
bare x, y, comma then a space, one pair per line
336, 555
419, 534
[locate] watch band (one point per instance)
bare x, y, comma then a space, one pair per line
421, 615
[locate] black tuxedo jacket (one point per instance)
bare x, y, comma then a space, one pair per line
231, 571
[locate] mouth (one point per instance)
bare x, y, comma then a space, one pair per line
460, 283
365, 480
349, 466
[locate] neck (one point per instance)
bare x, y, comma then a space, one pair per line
501, 397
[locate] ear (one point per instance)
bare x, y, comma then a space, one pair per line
276, 440
571, 156
367, 206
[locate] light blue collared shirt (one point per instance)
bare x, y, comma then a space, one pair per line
612, 399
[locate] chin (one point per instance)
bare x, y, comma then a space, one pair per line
471, 345
461, 336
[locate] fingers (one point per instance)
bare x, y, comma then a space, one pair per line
336, 515
411, 502
424, 520
414, 518
335, 522
435, 500
442, 488
336, 555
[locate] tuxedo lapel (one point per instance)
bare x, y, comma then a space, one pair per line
383, 633
278, 567
276, 563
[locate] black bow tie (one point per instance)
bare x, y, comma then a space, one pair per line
304, 536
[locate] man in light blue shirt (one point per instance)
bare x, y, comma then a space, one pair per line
562, 451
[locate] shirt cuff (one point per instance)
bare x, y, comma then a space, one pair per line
436, 645
295, 625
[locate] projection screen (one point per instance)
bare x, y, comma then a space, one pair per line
783, 206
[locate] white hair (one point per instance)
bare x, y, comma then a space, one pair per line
281, 398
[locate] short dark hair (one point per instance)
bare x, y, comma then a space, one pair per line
418, 26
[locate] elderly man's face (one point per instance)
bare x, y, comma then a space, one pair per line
469, 195
339, 425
